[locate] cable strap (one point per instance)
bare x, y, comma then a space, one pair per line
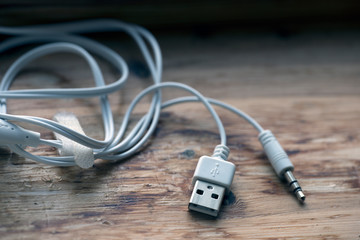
83, 156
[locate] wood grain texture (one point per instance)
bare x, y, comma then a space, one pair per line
304, 88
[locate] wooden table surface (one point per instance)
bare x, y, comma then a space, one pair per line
305, 88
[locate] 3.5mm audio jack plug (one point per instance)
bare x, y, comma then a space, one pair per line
281, 162
294, 185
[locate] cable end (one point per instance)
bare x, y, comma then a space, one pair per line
300, 196
212, 180
294, 186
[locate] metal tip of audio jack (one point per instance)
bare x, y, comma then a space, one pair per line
300, 195
294, 186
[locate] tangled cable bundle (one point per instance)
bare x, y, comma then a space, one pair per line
65, 38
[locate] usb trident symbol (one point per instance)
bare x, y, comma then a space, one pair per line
215, 171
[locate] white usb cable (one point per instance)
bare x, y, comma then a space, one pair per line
213, 175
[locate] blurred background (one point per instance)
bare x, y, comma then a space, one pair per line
204, 17
269, 47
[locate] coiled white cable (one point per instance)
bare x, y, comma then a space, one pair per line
62, 38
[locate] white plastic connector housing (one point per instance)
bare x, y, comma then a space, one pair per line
13, 134
275, 153
214, 170
212, 180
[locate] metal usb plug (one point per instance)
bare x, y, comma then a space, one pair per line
206, 198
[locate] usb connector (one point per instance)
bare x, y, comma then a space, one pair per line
206, 198
212, 180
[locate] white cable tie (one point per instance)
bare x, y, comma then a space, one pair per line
84, 156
